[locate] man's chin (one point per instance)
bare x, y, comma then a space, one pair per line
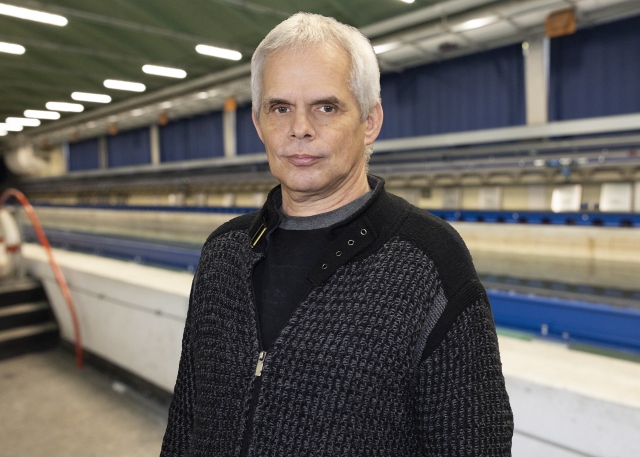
303, 184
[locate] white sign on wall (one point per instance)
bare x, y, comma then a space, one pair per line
616, 197
566, 198
537, 198
451, 198
490, 198
636, 198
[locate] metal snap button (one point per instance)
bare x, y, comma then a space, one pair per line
339, 253
350, 242
363, 232
324, 266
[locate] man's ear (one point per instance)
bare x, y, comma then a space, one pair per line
256, 124
374, 124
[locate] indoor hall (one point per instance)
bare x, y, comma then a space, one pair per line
129, 130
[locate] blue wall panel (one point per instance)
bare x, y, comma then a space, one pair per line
479, 91
84, 155
595, 71
198, 137
248, 141
129, 148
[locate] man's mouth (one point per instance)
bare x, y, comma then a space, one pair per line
302, 160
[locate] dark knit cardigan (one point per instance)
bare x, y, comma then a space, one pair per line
392, 353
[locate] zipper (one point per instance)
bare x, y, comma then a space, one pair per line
257, 381
261, 357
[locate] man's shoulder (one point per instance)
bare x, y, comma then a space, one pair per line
239, 223
442, 244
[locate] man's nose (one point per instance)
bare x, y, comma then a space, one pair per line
301, 126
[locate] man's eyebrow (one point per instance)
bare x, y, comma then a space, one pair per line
276, 101
331, 100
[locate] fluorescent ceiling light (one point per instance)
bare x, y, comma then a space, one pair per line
63, 106
23, 121
10, 127
474, 23
408, 1
385, 47
124, 85
32, 15
37, 114
218, 52
11, 48
164, 71
87, 97
3, 132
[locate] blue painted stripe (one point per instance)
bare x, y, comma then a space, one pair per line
569, 320
508, 217
541, 217
138, 251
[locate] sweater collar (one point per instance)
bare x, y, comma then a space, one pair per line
362, 232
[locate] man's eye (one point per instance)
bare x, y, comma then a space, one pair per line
281, 109
327, 109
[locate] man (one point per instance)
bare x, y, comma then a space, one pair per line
338, 320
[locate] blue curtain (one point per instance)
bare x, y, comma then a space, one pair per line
247, 139
84, 155
478, 91
129, 148
198, 137
595, 72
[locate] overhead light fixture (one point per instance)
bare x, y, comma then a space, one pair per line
11, 48
218, 52
87, 97
164, 71
379, 49
23, 121
10, 127
63, 106
474, 23
33, 15
3, 132
38, 114
407, 1
124, 85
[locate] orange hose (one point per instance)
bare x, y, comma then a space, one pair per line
57, 272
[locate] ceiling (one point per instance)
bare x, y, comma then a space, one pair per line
114, 39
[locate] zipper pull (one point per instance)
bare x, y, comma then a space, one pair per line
261, 357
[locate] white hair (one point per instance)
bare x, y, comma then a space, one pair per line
306, 30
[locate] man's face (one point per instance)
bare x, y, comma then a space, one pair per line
310, 121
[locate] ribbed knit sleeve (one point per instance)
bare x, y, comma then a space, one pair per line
462, 403
180, 425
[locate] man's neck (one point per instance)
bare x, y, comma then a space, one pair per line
301, 205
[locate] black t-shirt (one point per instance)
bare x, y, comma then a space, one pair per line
280, 279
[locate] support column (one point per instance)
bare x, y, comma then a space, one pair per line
154, 136
536, 71
229, 127
103, 155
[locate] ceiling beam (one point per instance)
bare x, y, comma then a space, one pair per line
90, 52
130, 25
255, 8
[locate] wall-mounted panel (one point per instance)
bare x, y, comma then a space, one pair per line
84, 155
478, 91
129, 148
595, 72
198, 137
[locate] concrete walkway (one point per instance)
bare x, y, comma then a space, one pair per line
49, 408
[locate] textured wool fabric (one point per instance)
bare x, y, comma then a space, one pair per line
392, 353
